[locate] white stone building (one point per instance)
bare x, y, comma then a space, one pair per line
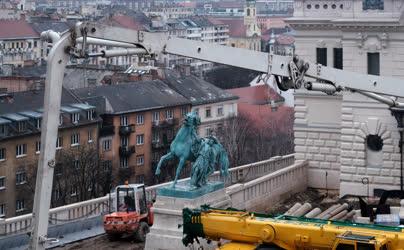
340, 135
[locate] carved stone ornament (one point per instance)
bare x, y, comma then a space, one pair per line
321, 44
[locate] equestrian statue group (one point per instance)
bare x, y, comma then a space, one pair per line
205, 154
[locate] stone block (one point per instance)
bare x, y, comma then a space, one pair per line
395, 157
335, 151
388, 164
345, 177
359, 146
348, 131
300, 115
300, 134
346, 145
325, 165
373, 171
309, 142
346, 161
386, 156
360, 154
325, 136
319, 157
330, 143
165, 234
317, 178
324, 150
314, 164
346, 169
313, 149
336, 166
347, 138
358, 162
361, 170
395, 172
319, 143
388, 148
336, 137
347, 111
312, 135
301, 109
385, 172
300, 149
300, 156
384, 180
299, 141
331, 158
347, 117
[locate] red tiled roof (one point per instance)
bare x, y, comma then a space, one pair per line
10, 29
258, 94
285, 40
236, 26
127, 22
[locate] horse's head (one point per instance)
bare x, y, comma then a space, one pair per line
192, 119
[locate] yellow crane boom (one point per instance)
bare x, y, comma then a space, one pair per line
247, 230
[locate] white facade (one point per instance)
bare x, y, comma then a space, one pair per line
214, 121
331, 132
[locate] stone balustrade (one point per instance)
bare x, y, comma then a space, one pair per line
260, 193
100, 206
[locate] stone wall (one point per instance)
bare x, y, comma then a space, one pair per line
317, 137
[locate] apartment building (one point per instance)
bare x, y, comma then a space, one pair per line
20, 125
140, 119
200, 29
19, 43
212, 104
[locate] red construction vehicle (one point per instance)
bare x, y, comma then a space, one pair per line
133, 214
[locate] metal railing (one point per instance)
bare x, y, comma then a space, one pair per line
100, 206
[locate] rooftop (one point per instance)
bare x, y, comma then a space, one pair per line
236, 25
132, 96
196, 90
20, 29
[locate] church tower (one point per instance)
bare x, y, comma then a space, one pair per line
250, 19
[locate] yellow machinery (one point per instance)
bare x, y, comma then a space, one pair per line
247, 231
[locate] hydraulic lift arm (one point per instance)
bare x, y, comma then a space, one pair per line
290, 73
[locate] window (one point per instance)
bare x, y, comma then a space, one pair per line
322, 56
248, 12
156, 116
75, 117
373, 4
155, 137
208, 113
123, 162
169, 114
140, 160
38, 123
75, 139
20, 205
60, 120
220, 111
107, 165
374, 64
35, 44
2, 210
2, 182
20, 178
2, 129
59, 143
22, 126
184, 111
139, 119
209, 131
106, 144
2, 154
124, 120
365, 246
76, 164
37, 147
124, 141
90, 136
21, 150
139, 139
338, 61
90, 115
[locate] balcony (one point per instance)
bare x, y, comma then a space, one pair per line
165, 123
126, 151
126, 130
107, 130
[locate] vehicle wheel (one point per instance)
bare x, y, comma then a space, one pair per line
114, 237
141, 232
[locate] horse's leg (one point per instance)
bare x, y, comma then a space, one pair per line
179, 169
164, 158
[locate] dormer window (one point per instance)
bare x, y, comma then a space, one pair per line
90, 115
38, 123
75, 117
21, 126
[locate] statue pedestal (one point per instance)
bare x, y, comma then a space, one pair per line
165, 234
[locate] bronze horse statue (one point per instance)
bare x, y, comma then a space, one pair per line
187, 146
